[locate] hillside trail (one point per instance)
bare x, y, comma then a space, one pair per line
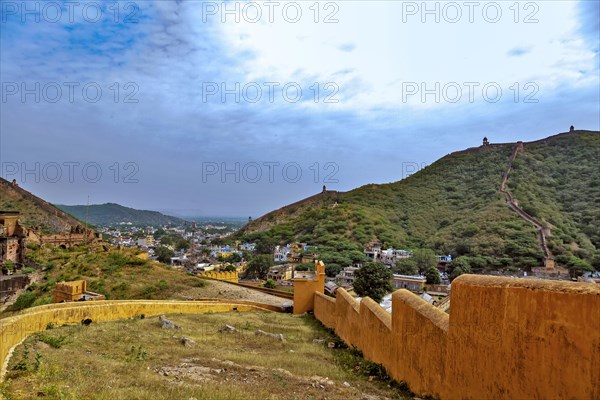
542, 231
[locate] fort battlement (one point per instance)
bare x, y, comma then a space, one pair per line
227, 276
504, 338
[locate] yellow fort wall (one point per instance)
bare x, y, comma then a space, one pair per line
504, 339
229, 276
305, 288
13, 330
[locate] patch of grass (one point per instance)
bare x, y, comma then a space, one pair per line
53, 341
118, 274
124, 360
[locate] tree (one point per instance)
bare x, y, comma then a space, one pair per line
270, 284
265, 245
234, 257
305, 267
331, 270
596, 261
164, 254
433, 276
229, 268
217, 241
259, 265
166, 240
424, 258
459, 266
577, 266
182, 244
373, 280
406, 266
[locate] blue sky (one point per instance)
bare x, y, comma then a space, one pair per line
385, 86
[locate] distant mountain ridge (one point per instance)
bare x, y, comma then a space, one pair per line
112, 213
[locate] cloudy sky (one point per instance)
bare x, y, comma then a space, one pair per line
237, 108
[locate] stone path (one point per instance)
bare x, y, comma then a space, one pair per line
222, 290
542, 230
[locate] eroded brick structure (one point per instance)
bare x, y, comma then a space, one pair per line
12, 238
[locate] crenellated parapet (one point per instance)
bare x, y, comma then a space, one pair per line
228, 276
505, 338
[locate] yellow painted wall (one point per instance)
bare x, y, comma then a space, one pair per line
68, 291
229, 276
419, 333
325, 310
305, 289
16, 328
525, 338
504, 339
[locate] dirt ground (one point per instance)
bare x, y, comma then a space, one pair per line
139, 359
223, 290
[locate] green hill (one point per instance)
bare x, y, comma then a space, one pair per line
454, 206
111, 214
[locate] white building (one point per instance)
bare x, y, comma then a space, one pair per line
281, 253
346, 276
391, 256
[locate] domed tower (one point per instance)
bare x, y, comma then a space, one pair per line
485, 141
572, 129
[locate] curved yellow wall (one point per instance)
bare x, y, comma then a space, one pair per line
13, 330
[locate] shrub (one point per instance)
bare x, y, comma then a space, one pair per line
25, 300
270, 284
433, 276
53, 341
406, 266
162, 285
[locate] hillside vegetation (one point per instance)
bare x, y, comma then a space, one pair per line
118, 274
34, 211
558, 182
111, 214
454, 206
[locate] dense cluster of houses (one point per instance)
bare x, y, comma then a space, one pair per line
203, 258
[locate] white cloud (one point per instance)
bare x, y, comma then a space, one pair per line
384, 45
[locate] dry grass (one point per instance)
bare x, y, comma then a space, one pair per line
137, 359
121, 275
